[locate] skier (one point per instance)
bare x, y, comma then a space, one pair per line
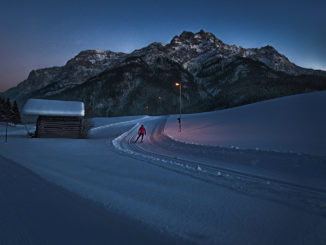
141, 132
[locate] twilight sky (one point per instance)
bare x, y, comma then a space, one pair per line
42, 33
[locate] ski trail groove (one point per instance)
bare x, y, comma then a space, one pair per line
311, 196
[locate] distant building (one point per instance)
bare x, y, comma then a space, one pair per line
56, 118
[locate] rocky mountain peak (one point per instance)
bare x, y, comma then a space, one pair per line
204, 58
93, 57
186, 35
268, 47
206, 35
85, 54
155, 45
268, 50
190, 37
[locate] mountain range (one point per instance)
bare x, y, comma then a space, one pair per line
213, 75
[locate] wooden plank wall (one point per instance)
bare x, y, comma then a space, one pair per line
58, 127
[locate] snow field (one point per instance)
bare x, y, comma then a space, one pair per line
289, 124
170, 201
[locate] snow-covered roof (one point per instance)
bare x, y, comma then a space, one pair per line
53, 108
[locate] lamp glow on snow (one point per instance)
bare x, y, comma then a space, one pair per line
178, 84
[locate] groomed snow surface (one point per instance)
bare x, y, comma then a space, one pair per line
197, 193
289, 124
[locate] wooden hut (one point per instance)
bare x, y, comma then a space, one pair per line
56, 118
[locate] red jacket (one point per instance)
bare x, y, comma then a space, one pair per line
142, 130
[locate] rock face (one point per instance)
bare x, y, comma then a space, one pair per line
50, 81
213, 74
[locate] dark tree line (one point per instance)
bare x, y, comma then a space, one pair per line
9, 112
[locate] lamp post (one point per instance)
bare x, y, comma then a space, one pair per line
178, 84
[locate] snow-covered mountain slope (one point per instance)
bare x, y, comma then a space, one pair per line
294, 123
50, 81
214, 75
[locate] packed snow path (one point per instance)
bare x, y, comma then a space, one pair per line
296, 179
162, 184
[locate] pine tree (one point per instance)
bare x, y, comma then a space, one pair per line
16, 115
2, 109
8, 112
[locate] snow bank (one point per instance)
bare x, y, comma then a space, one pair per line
289, 124
19, 130
100, 123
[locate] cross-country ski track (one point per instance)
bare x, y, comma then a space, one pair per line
184, 192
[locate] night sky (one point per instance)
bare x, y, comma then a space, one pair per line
38, 34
